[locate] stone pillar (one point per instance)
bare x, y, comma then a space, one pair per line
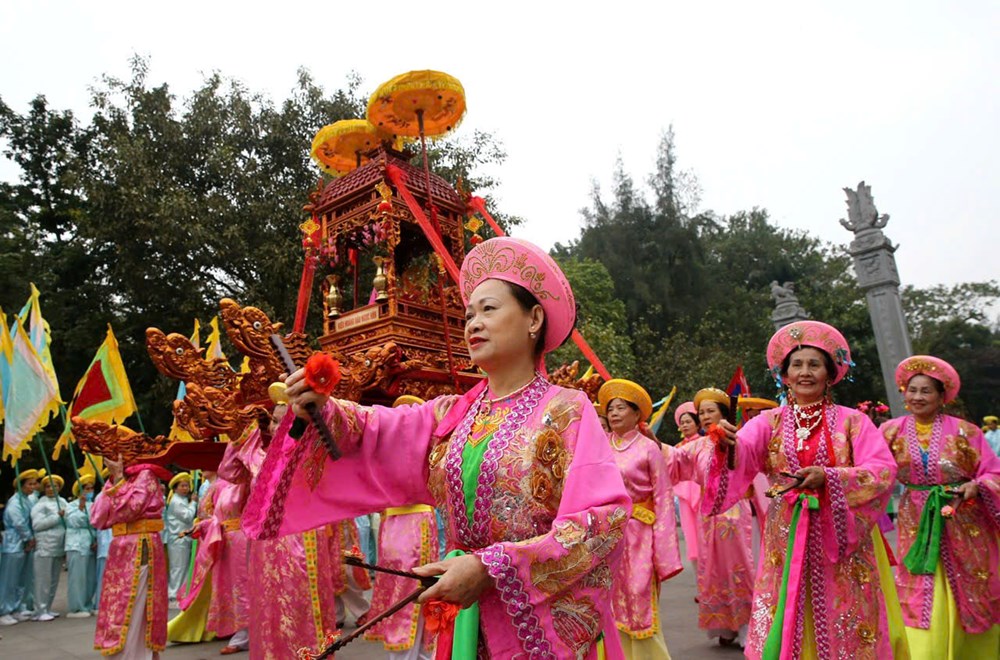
875, 267
786, 305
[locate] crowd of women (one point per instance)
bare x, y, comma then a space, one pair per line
559, 514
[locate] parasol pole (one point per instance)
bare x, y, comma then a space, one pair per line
427, 172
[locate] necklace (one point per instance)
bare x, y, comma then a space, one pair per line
807, 418
616, 441
487, 404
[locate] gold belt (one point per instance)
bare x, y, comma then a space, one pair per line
413, 508
643, 512
231, 525
144, 526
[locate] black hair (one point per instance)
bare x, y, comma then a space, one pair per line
527, 301
831, 368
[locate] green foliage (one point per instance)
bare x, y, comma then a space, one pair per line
695, 289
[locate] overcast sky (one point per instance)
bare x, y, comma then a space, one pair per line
774, 104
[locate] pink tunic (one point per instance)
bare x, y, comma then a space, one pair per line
834, 564
689, 496
405, 540
135, 499
651, 555
295, 577
725, 555
956, 453
547, 521
222, 556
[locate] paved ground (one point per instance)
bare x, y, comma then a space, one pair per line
73, 638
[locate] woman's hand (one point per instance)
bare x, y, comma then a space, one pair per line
83, 503
813, 477
299, 394
463, 580
443, 405
968, 490
115, 468
730, 433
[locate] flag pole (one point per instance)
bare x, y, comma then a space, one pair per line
48, 470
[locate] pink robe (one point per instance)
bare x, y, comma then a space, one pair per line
295, 577
969, 551
134, 499
405, 540
548, 518
689, 504
834, 565
651, 555
222, 556
725, 555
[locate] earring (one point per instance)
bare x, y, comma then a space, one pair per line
533, 335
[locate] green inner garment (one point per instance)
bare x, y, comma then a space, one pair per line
472, 461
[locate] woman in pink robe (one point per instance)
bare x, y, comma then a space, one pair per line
295, 578
132, 617
518, 468
818, 593
407, 537
222, 558
688, 492
725, 567
651, 555
951, 607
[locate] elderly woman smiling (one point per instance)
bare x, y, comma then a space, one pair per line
948, 519
817, 593
533, 502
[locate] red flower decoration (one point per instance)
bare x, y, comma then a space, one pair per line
322, 373
439, 615
475, 239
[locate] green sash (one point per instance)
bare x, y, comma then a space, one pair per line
772, 645
923, 556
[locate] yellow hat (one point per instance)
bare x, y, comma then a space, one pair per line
84, 480
57, 482
25, 475
619, 388
277, 393
406, 400
754, 403
711, 394
990, 418
41, 474
179, 477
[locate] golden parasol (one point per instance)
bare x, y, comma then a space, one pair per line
418, 104
339, 147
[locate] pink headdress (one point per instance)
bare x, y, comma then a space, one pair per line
686, 407
928, 365
809, 333
525, 264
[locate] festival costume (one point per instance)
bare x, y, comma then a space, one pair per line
949, 588
81, 565
132, 615
50, 548
15, 558
688, 492
188, 627
650, 553
295, 577
725, 557
179, 518
527, 484
222, 558
351, 583
818, 592
407, 538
